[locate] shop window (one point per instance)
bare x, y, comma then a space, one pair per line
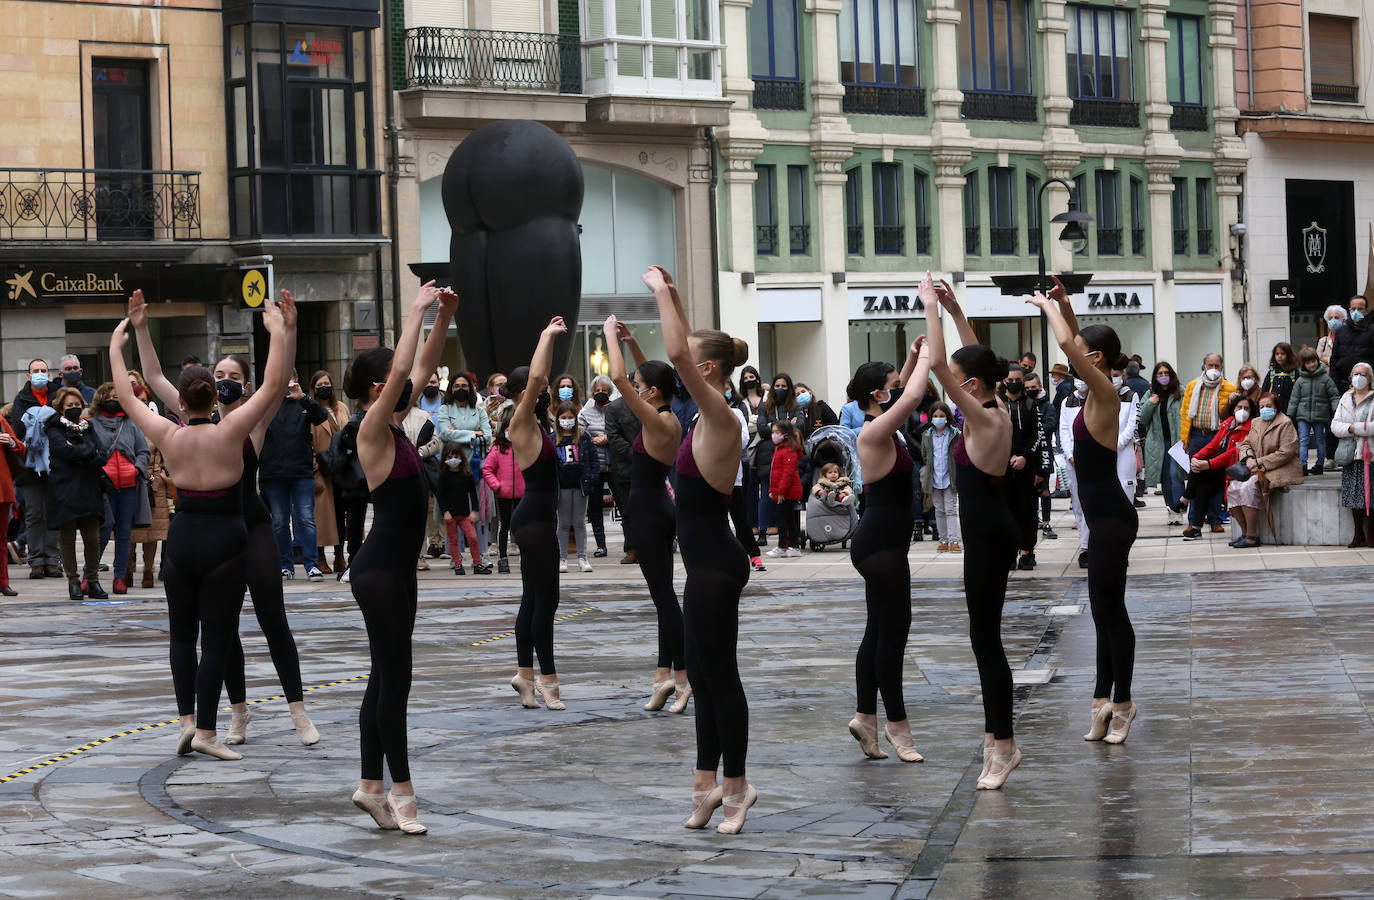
854, 211
300, 142
1137, 216
774, 59
1033, 235
1202, 212
798, 229
1108, 213
1002, 210
1179, 209
994, 60
1331, 40
765, 211
889, 237
973, 234
921, 181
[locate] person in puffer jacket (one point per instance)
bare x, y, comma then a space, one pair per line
125, 451
1311, 405
502, 475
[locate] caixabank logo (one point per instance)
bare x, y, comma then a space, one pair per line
34, 286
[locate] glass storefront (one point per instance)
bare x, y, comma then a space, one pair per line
1137, 333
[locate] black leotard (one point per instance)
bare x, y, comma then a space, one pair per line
717, 571
1112, 526
879, 552
990, 538
264, 586
203, 572
382, 576
650, 531
534, 526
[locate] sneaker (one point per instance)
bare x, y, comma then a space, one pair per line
793, 553
942, 547
762, 540
563, 567
421, 565
1049, 534
955, 548
347, 574
480, 569
1225, 519
1139, 504
919, 534
104, 567
1082, 559
287, 575
583, 564
121, 586
458, 570
1318, 469
776, 552
629, 559
503, 566
444, 555
601, 553
434, 551
314, 574
757, 564
1027, 561
1192, 533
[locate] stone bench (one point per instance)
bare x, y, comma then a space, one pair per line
1308, 514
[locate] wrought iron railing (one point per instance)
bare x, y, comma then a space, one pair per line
885, 99
1138, 241
779, 93
854, 239
509, 60
1108, 113
1002, 240
1109, 241
1180, 242
889, 239
991, 105
799, 238
973, 240
1336, 93
1188, 118
923, 239
766, 240
1204, 241
99, 204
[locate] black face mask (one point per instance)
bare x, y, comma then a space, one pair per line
541, 405
111, 407
782, 394
228, 392
893, 396
1033, 393
404, 400
749, 384
1013, 388
325, 393
601, 398
431, 391
72, 378
463, 396
73, 414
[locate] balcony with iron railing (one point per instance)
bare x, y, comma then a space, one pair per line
799, 238
884, 99
923, 239
1180, 242
973, 240
1138, 241
1187, 117
854, 239
503, 60
1000, 107
889, 240
1105, 112
1335, 93
1109, 241
1003, 240
99, 205
779, 93
766, 240
1204, 241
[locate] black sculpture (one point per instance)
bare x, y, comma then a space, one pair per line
513, 193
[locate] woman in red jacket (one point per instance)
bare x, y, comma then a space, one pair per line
503, 476
9, 444
785, 488
1209, 464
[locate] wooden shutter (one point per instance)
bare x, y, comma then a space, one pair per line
438, 13
518, 15
1332, 50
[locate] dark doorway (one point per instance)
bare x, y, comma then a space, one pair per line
125, 198
1321, 241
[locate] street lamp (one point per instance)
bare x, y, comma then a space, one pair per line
1073, 237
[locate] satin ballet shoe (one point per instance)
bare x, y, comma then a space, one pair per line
734, 824
661, 692
987, 763
1100, 716
407, 824
868, 743
684, 694
375, 806
550, 692
238, 735
999, 770
1118, 733
704, 805
525, 688
184, 740
305, 729
905, 752
214, 748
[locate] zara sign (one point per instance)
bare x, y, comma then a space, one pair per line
883, 302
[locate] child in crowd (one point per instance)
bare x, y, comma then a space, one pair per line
1311, 406
785, 488
937, 476
834, 486
458, 502
579, 475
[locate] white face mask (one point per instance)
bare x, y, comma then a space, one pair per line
453, 462
1211, 376
1080, 386
567, 424
1247, 384
1118, 381
1242, 415
1359, 382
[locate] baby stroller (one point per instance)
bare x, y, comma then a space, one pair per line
827, 521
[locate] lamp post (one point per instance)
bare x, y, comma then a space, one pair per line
1074, 239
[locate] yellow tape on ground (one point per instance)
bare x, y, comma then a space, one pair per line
507, 634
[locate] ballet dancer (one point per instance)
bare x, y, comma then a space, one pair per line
970, 378
717, 568
534, 524
232, 390
880, 545
1110, 514
653, 526
382, 572
204, 558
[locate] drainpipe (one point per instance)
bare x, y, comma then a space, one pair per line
715, 229
1249, 54
393, 176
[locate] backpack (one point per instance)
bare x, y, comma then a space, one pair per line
340, 461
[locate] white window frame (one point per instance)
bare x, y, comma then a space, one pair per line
614, 44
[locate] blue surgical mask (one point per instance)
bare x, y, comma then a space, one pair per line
1357, 315
1333, 323
803, 399
39, 380
565, 394
729, 394
1267, 413
939, 422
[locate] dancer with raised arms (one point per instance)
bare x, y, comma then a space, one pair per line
233, 388
1111, 516
970, 378
717, 568
382, 573
652, 528
204, 557
880, 545
534, 524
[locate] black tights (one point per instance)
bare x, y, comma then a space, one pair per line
504, 508
1109, 549
652, 534
1021, 495
711, 619
269, 603
878, 667
985, 586
789, 525
739, 517
351, 517
388, 601
537, 537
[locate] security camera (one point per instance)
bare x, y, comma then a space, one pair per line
1239, 229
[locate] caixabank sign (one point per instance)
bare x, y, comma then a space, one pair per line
46, 285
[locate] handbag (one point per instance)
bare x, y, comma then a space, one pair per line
1239, 472
1345, 451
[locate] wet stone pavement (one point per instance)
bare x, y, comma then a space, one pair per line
1248, 773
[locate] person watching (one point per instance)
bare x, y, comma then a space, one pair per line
1354, 342
287, 478
71, 377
